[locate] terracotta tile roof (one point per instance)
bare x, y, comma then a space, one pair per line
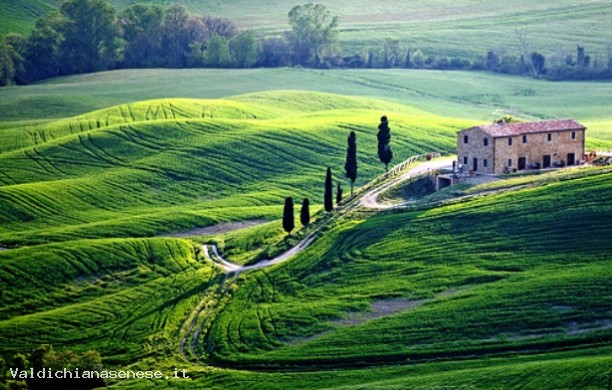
513, 129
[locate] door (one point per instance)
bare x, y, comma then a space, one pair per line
546, 161
571, 159
475, 164
522, 163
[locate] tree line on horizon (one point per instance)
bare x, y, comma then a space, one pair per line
89, 35
385, 155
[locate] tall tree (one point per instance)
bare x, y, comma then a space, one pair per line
41, 52
175, 37
305, 212
288, 217
328, 201
385, 154
313, 32
141, 26
244, 49
351, 159
217, 54
538, 62
89, 36
338, 194
12, 48
220, 26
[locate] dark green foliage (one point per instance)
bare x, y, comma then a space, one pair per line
89, 36
305, 212
218, 53
328, 202
7, 66
141, 26
351, 159
538, 63
244, 50
313, 33
175, 39
42, 50
338, 194
385, 154
288, 216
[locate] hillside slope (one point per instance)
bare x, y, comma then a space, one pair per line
160, 166
508, 291
435, 26
467, 95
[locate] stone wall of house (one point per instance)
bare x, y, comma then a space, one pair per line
557, 145
475, 148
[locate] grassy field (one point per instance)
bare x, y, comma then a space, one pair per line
434, 26
468, 95
509, 291
169, 165
500, 282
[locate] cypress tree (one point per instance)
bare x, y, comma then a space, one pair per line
288, 217
338, 194
328, 197
351, 159
305, 212
385, 154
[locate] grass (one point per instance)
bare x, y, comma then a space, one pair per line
492, 271
171, 165
124, 298
434, 26
508, 291
468, 95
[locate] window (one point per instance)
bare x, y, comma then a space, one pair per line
549, 137
573, 135
485, 163
465, 160
509, 162
524, 139
465, 139
485, 142
510, 141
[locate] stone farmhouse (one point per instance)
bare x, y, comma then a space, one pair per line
510, 147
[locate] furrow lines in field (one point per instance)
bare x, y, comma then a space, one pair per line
101, 150
84, 157
131, 135
123, 114
7, 180
147, 113
182, 113
278, 154
38, 163
129, 108
48, 161
98, 155
30, 202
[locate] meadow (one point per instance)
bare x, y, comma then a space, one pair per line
168, 165
433, 26
508, 291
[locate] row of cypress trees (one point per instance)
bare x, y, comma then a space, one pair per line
385, 154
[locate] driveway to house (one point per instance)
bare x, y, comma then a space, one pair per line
369, 200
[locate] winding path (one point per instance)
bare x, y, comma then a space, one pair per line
368, 200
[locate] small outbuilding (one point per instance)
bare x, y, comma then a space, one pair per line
509, 147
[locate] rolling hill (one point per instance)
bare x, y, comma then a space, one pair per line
506, 291
158, 166
434, 26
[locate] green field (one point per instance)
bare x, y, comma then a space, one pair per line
435, 26
508, 291
468, 95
